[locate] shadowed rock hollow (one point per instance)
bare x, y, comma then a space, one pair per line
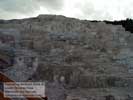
78, 59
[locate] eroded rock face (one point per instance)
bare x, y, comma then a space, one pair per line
85, 60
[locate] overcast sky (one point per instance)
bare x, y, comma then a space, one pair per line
83, 9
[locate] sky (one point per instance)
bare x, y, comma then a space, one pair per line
82, 9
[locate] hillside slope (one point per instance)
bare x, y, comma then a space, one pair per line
78, 59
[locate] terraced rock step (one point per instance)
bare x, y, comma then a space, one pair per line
100, 94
